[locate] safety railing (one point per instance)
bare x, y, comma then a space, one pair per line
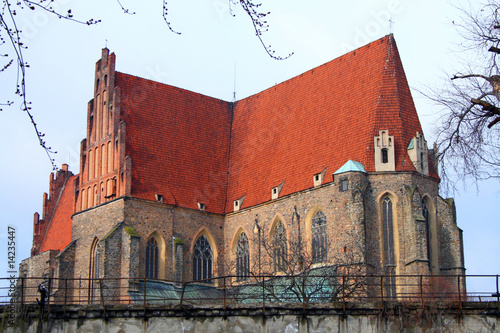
257, 290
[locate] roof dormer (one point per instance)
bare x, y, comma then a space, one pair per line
238, 203
384, 151
318, 178
275, 192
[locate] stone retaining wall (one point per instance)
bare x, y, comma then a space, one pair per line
372, 317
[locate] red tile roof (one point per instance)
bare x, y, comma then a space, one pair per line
183, 145
192, 148
321, 119
60, 228
178, 141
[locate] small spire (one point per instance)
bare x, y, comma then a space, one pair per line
391, 22
234, 88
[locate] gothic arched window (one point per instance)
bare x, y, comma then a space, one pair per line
94, 268
389, 251
152, 261
425, 214
319, 239
202, 259
280, 249
388, 231
242, 258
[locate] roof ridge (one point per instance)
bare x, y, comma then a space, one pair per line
170, 85
228, 174
398, 98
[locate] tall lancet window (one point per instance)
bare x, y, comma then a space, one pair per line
389, 251
94, 269
202, 259
425, 214
280, 248
319, 239
242, 258
152, 261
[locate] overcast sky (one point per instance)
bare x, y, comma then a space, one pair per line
216, 54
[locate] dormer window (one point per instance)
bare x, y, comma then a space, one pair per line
159, 197
201, 206
384, 151
318, 178
238, 203
275, 192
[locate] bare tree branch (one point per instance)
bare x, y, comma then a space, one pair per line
468, 135
9, 28
11, 36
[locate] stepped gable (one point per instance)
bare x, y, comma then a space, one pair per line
59, 231
51, 204
320, 119
178, 142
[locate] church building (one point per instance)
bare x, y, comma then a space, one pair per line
178, 186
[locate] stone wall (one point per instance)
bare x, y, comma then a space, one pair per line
38, 269
148, 219
344, 212
470, 317
353, 214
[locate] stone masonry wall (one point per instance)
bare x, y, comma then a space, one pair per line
146, 218
344, 212
353, 225
40, 268
479, 317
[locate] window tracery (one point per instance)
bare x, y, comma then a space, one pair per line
242, 258
319, 238
280, 249
152, 259
202, 259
